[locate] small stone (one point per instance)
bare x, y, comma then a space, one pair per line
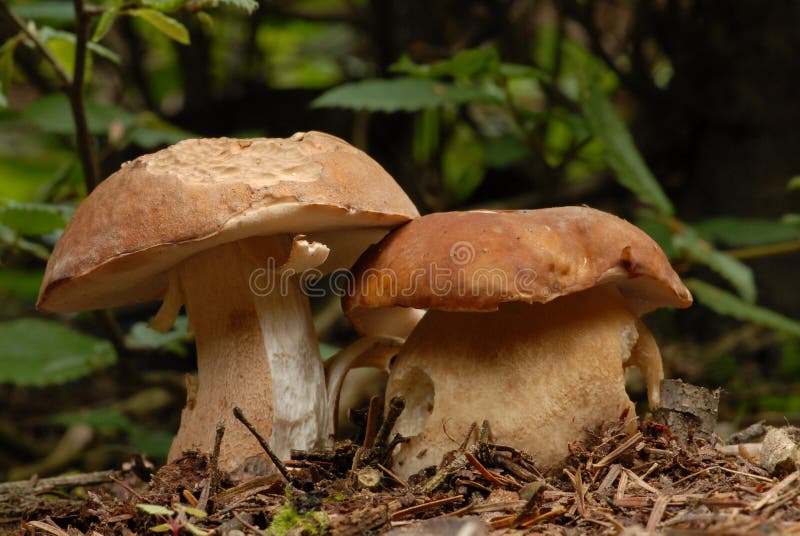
780, 452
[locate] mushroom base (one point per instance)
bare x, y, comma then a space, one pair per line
256, 349
542, 375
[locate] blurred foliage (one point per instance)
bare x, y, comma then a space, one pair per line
462, 121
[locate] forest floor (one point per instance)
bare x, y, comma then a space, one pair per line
646, 482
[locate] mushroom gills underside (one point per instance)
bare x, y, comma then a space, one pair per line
542, 375
256, 349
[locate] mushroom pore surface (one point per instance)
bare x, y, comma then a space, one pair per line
256, 349
542, 375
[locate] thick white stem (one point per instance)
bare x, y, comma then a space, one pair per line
256, 349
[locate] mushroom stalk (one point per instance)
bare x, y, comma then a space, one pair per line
543, 375
256, 349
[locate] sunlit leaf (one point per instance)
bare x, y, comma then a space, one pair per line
196, 512
39, 352
398, 94
163, 527
7, 67
104, 23
725, 303
737, 273
154, 509
743, 232
163, 23
621, 153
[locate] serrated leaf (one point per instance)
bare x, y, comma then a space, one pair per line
104, 23
621, 152
689, 244
744, 232
155, 510
398, 94
725, 303
794, 183
38, 352
165, 24
31, 219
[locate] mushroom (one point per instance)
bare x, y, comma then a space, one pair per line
532, 318
215, 225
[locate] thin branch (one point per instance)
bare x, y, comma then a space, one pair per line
64, 77
85, 143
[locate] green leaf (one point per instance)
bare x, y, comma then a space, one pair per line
791, 219
38, 352
197, 531
794, 183
167, 6
52, 114
163, 23
248, 6
149, 131
463, 163
744, 232
725, 303
399, 94
515, 70
163, 527
426, 134
53, 11
328, 350
196, 512
104, 23
142, 337
155, 510
31, 219
621, 153
7, 67
10, 238
737, 273
3, 101
21, 284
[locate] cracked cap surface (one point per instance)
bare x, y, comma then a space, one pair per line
166, 206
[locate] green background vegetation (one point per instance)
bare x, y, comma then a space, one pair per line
679, 116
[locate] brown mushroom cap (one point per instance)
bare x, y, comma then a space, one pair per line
475, 261
164, 207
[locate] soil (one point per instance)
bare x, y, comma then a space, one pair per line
643, 483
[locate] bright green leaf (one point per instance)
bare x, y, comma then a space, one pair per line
163, 23
744, 232
167, 6
621, 152
155, 510
39, 352
7, 66
31, 219
737, 273
463, 163
398, 94
197, 531
163, 527
104, 23
196, 512
794, 183
725, 303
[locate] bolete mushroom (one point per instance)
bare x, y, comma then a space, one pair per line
531, 318
224, 226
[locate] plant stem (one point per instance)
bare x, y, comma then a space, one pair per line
765, 251
63, 76
84, 141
